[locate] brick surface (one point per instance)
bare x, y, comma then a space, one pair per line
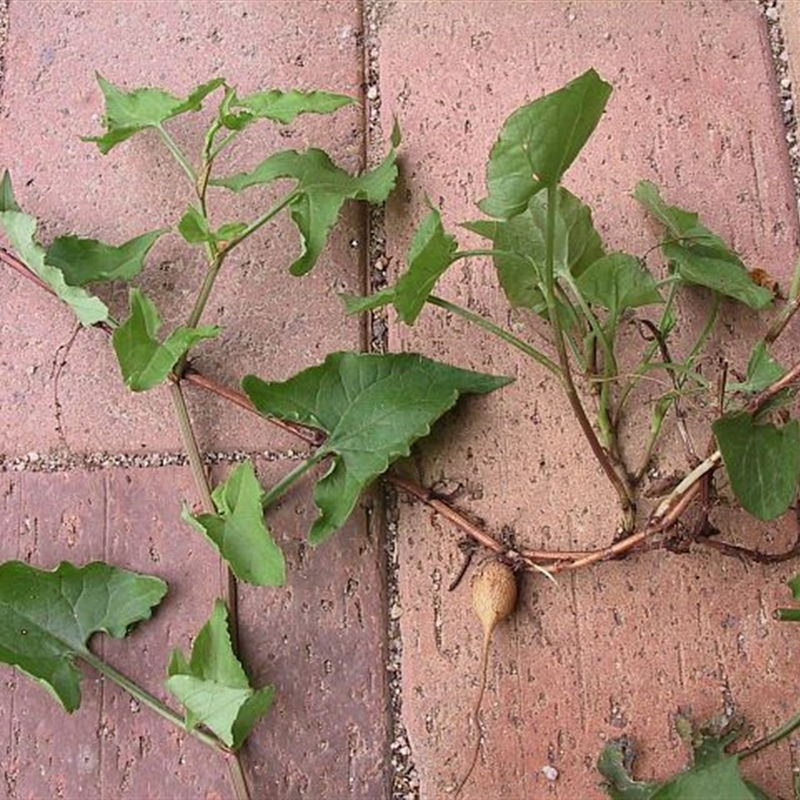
131, 520
319, 641
50, 98
617, 649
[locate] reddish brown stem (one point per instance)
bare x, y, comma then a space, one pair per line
556, 560
313, 437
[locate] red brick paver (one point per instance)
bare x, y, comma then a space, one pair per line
617, 649
320, 640
613, 650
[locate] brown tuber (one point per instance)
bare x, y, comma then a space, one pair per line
494, 596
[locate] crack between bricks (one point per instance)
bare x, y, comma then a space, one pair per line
404, 780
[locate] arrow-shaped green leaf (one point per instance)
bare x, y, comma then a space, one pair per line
213, 687
762, 461
20, 229
520, 246
699, 255
278, 106
238, 530
618, 281
374, 407
85, 261
144, 361
127, 113
539, 141
47, 618
319, 194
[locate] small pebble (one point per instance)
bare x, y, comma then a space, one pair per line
551, 773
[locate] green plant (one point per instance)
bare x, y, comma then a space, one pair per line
552, 264
361, 412
714, 771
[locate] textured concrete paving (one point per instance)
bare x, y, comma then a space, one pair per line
615, 650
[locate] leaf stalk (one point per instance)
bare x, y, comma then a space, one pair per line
620, 483
285, 483
178, 154
496, 330
153, 703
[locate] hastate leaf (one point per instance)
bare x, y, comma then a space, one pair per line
20, 228
713, 774
127, 113
213, 687
144, 361
374, 407
430, 254
47, 618
83, 261
699, 255
238, 530
718, 270
762, 461
618, 281
320, 191
520, 242
539, 141
762, 370
279, 106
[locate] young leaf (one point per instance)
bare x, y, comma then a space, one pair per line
143, 360
20, 229
7, 200
374, 407
47, 618
700, 256
762, 461
85, 261
539, 141
213, 687
618, 281
229, 230
619, 784
521, 239
714, 773
320, 192
238, 530
279, 106
430, 254
762, 370
127, 113
193, 227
